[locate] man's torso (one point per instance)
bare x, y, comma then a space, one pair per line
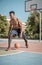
14, 24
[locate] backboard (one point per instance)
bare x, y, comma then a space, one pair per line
33, 4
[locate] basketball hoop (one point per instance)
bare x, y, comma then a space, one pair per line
33, 5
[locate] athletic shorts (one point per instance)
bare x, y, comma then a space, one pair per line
15, 32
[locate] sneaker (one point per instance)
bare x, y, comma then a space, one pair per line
26, 45
8, 49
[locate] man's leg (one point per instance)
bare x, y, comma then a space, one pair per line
13, 32
25, 39
9, 41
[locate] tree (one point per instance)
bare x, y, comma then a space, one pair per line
3, 26
32, 29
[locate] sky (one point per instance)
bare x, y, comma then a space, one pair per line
14, 5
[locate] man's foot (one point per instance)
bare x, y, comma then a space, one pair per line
26, 45
8, 49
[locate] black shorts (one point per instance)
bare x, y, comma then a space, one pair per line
18, 31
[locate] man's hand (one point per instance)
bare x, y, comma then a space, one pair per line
21, 35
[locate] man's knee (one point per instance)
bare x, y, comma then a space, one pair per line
9, 36
24, 35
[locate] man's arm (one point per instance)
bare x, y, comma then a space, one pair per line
20, 25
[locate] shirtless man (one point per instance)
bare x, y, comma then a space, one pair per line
15, 28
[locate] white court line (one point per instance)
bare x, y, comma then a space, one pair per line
20, 52
11, 53
34, 52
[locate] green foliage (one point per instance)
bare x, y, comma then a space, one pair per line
32, 29
3, 26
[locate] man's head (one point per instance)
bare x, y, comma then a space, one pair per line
11, 13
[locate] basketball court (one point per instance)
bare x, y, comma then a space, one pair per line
23, 56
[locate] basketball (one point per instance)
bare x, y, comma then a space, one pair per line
17, 45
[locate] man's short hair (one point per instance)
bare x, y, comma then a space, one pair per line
11, 12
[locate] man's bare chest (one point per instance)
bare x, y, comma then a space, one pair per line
13, 22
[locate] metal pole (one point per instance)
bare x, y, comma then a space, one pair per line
40, 25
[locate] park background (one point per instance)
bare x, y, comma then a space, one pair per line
30, 20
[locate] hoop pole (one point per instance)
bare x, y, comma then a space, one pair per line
40, 25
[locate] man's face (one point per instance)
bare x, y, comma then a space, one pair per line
11, 15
